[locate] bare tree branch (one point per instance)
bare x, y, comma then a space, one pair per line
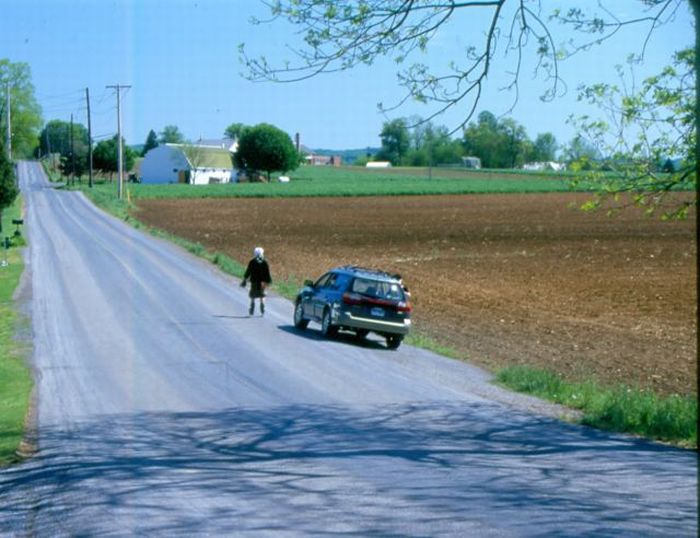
339, 35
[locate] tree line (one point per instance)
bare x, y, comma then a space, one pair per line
66, 146
498, 143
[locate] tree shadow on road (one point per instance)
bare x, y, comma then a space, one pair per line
444, 468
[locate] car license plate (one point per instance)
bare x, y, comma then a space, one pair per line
377, 312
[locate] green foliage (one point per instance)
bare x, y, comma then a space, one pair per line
498, 143
15, 376
621, 408
55, 137
420, 340
289, 286
8, 184
171, 135
265, 147
395, 141
416, 142
337, 35
544, 148
26, 113
581, 153
235, 130
356, 181
151, 142
105, 158
641, 133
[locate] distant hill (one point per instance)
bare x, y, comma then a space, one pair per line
348, 155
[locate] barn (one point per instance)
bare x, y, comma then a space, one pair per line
184, 163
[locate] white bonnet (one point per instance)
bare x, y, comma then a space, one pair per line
258, 252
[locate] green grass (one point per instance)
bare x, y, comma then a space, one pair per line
425, 342
15, 376
313, 181
621, 408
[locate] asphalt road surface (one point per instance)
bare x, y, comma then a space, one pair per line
163, 409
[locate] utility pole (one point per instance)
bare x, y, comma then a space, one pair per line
9, 125
120, 171
72, 154
87, 98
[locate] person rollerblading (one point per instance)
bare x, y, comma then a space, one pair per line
258, 272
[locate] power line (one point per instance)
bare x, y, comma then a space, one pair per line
46, 97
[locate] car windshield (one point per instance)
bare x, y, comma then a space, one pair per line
380, 289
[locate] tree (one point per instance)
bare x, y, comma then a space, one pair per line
235, 130
75, 163
515, 143
431, 145
342, 34
544, 148
25, 111
581, 154
171, 135
151, 142
105, 156
8, 185
499, 144
642, 130
265, 147
55, 137
395, 141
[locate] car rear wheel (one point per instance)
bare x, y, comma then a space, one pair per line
299, 321
393, 341
327, 327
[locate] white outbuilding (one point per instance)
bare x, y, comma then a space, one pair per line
184, 163
544, 166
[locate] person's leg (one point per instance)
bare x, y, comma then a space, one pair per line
262, 306
252, 307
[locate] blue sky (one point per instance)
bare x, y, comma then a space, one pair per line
180, 58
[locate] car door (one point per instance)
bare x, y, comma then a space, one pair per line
333, 290
318, 299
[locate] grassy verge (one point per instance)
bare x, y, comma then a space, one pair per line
15, 376
625, 409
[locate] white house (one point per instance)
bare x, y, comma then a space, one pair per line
471, 162
545, 165
181, 163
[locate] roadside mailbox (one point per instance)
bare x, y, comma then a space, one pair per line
18, 223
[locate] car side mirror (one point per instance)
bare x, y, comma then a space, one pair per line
308, 283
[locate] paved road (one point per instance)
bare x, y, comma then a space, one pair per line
164, 410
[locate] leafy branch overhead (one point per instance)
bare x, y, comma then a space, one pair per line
648, 135
341, 34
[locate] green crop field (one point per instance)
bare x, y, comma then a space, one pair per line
356, 181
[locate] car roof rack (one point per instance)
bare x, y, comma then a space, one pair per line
377, 272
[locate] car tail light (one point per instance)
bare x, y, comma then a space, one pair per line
359, 299
352, 298
404, 306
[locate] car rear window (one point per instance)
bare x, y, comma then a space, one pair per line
378, 288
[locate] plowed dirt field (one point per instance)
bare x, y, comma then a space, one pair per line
503, 279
